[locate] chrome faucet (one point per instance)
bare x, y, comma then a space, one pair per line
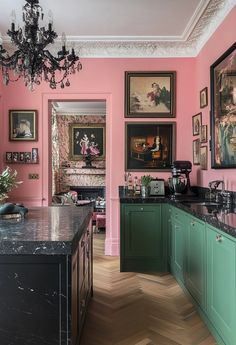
222, 195
214, 184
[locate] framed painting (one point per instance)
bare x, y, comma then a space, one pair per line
196, 152
203, 98
149, 146
23, 125
87, 139
203, 157
197, 123
223, 110
150, 94
203, 134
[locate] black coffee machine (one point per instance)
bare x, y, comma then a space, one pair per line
178, 183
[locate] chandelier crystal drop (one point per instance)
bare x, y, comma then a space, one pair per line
31, 60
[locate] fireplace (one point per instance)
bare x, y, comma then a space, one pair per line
87, 192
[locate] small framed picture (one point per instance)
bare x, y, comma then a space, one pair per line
203, 157
203, 134
197, 123
23, 125
22, 156
27, 156
203, 98
15, 156
34, 155
196, 152
8, 156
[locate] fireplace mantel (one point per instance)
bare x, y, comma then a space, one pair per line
85, 171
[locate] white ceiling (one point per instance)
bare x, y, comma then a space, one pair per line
112, 28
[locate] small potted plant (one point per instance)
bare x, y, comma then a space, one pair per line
8, 181
145, 185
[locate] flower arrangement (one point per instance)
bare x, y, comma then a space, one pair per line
8, 181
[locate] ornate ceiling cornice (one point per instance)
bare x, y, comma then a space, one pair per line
188, 46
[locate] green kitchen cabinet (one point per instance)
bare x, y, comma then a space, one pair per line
221, 284
166, 225
178, 247
195, 263
143, 241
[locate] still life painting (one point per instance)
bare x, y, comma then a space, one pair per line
150, 94
149, 146
223, 110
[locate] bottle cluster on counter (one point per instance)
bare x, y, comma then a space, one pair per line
132, 185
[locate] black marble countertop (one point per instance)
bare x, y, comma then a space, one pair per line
222, 217
52, 230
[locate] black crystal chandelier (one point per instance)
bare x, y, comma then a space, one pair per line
31, 60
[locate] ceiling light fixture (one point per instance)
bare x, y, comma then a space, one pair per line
31, 61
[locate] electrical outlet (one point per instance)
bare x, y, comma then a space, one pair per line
33, 176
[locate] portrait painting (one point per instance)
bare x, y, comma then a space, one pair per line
223, 110
203, 98
203, 157
23, 125
203, 134
150, 94
87, 139
196, 152
196, 123
149, 146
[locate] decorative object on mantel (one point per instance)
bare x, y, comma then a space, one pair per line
31, 61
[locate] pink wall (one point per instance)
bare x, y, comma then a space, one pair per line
104, 79
222, 39
99, 79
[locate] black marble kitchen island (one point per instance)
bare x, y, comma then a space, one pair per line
45, 276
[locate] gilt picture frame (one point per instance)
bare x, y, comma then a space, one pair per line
87, 139
23, 125
196, 151
223, 110
149, 146
203, 157
203, 98
150, 94
196, 123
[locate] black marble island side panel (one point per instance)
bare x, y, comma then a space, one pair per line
44, 231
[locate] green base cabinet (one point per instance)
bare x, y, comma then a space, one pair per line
142, 242
221, 284
178, 228
195, 263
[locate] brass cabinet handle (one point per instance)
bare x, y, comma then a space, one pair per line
141, 209
193, 223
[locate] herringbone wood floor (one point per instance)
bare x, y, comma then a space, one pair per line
139, 309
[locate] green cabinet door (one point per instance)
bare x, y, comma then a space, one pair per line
166, 226
142, 246
178, 227
195, 268
221, 284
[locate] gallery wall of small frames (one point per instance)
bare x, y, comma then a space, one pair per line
23, 157
198, 129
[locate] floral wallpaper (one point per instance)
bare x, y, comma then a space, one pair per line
65, 171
